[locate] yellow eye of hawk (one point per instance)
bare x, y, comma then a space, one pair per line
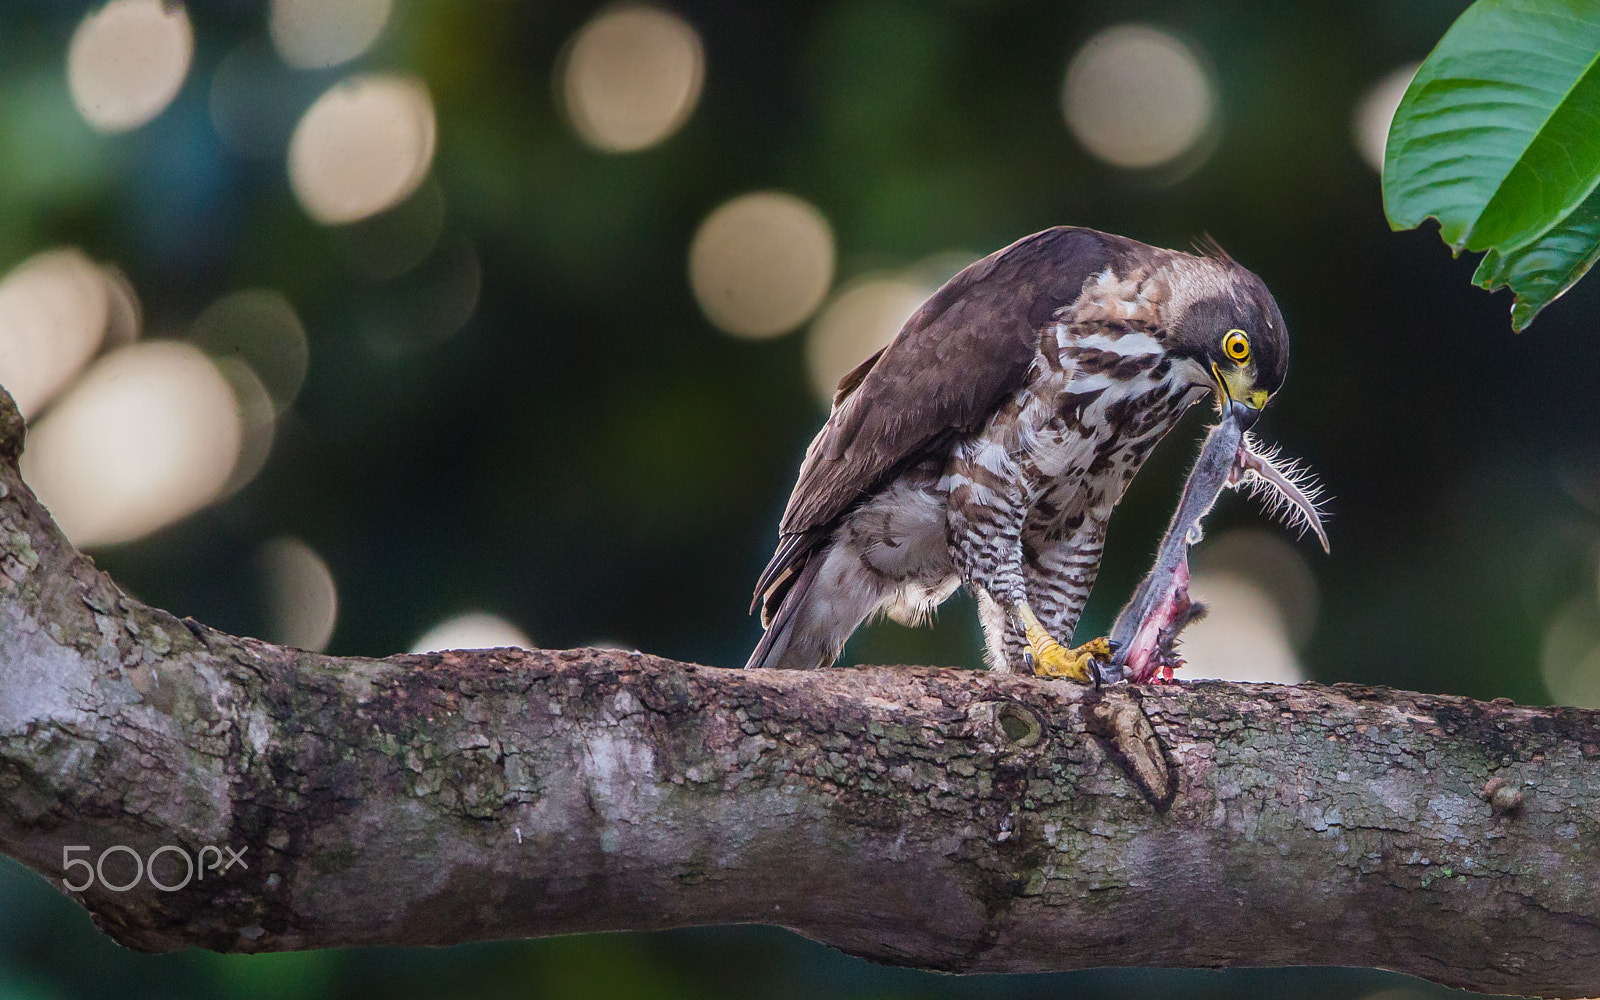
1236, 345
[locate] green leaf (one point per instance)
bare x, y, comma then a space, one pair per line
1498, 138
1540, 271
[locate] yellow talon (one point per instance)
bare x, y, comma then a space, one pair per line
1056, 660
1051, 659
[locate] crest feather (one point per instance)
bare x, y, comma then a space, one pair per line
1207, 246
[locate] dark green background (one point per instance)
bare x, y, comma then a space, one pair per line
590, 458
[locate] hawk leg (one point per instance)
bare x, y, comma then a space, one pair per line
1051, 659
1016, 557
984, 513
1061, 557
1017, 641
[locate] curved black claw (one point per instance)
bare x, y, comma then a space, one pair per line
1106, 671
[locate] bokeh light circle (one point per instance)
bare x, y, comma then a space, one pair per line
150, 434
55, 309
127, 61
631, 77
258, 422
860, 320
1270, 559
433, 303
761, 263
1243, 636
1262, 602
124, 316
314, 34
259, 326
363, 146
471, 630
1375, 113
1137, 97
302, 598
1569, 655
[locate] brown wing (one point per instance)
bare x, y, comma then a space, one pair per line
950, 367
953, 363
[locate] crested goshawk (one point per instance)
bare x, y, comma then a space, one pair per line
989, 442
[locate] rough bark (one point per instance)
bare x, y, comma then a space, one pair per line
929, 817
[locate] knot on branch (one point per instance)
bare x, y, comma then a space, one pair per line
1503, 797
12, 428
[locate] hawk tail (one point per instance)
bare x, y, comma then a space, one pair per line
777, 648
812, 597
779, 576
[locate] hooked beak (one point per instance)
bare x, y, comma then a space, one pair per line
1237, 397
1244, 415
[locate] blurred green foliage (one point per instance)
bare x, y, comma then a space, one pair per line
591, 459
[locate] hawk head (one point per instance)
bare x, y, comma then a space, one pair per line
1228, 325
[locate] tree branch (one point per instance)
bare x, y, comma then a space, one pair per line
929, 817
